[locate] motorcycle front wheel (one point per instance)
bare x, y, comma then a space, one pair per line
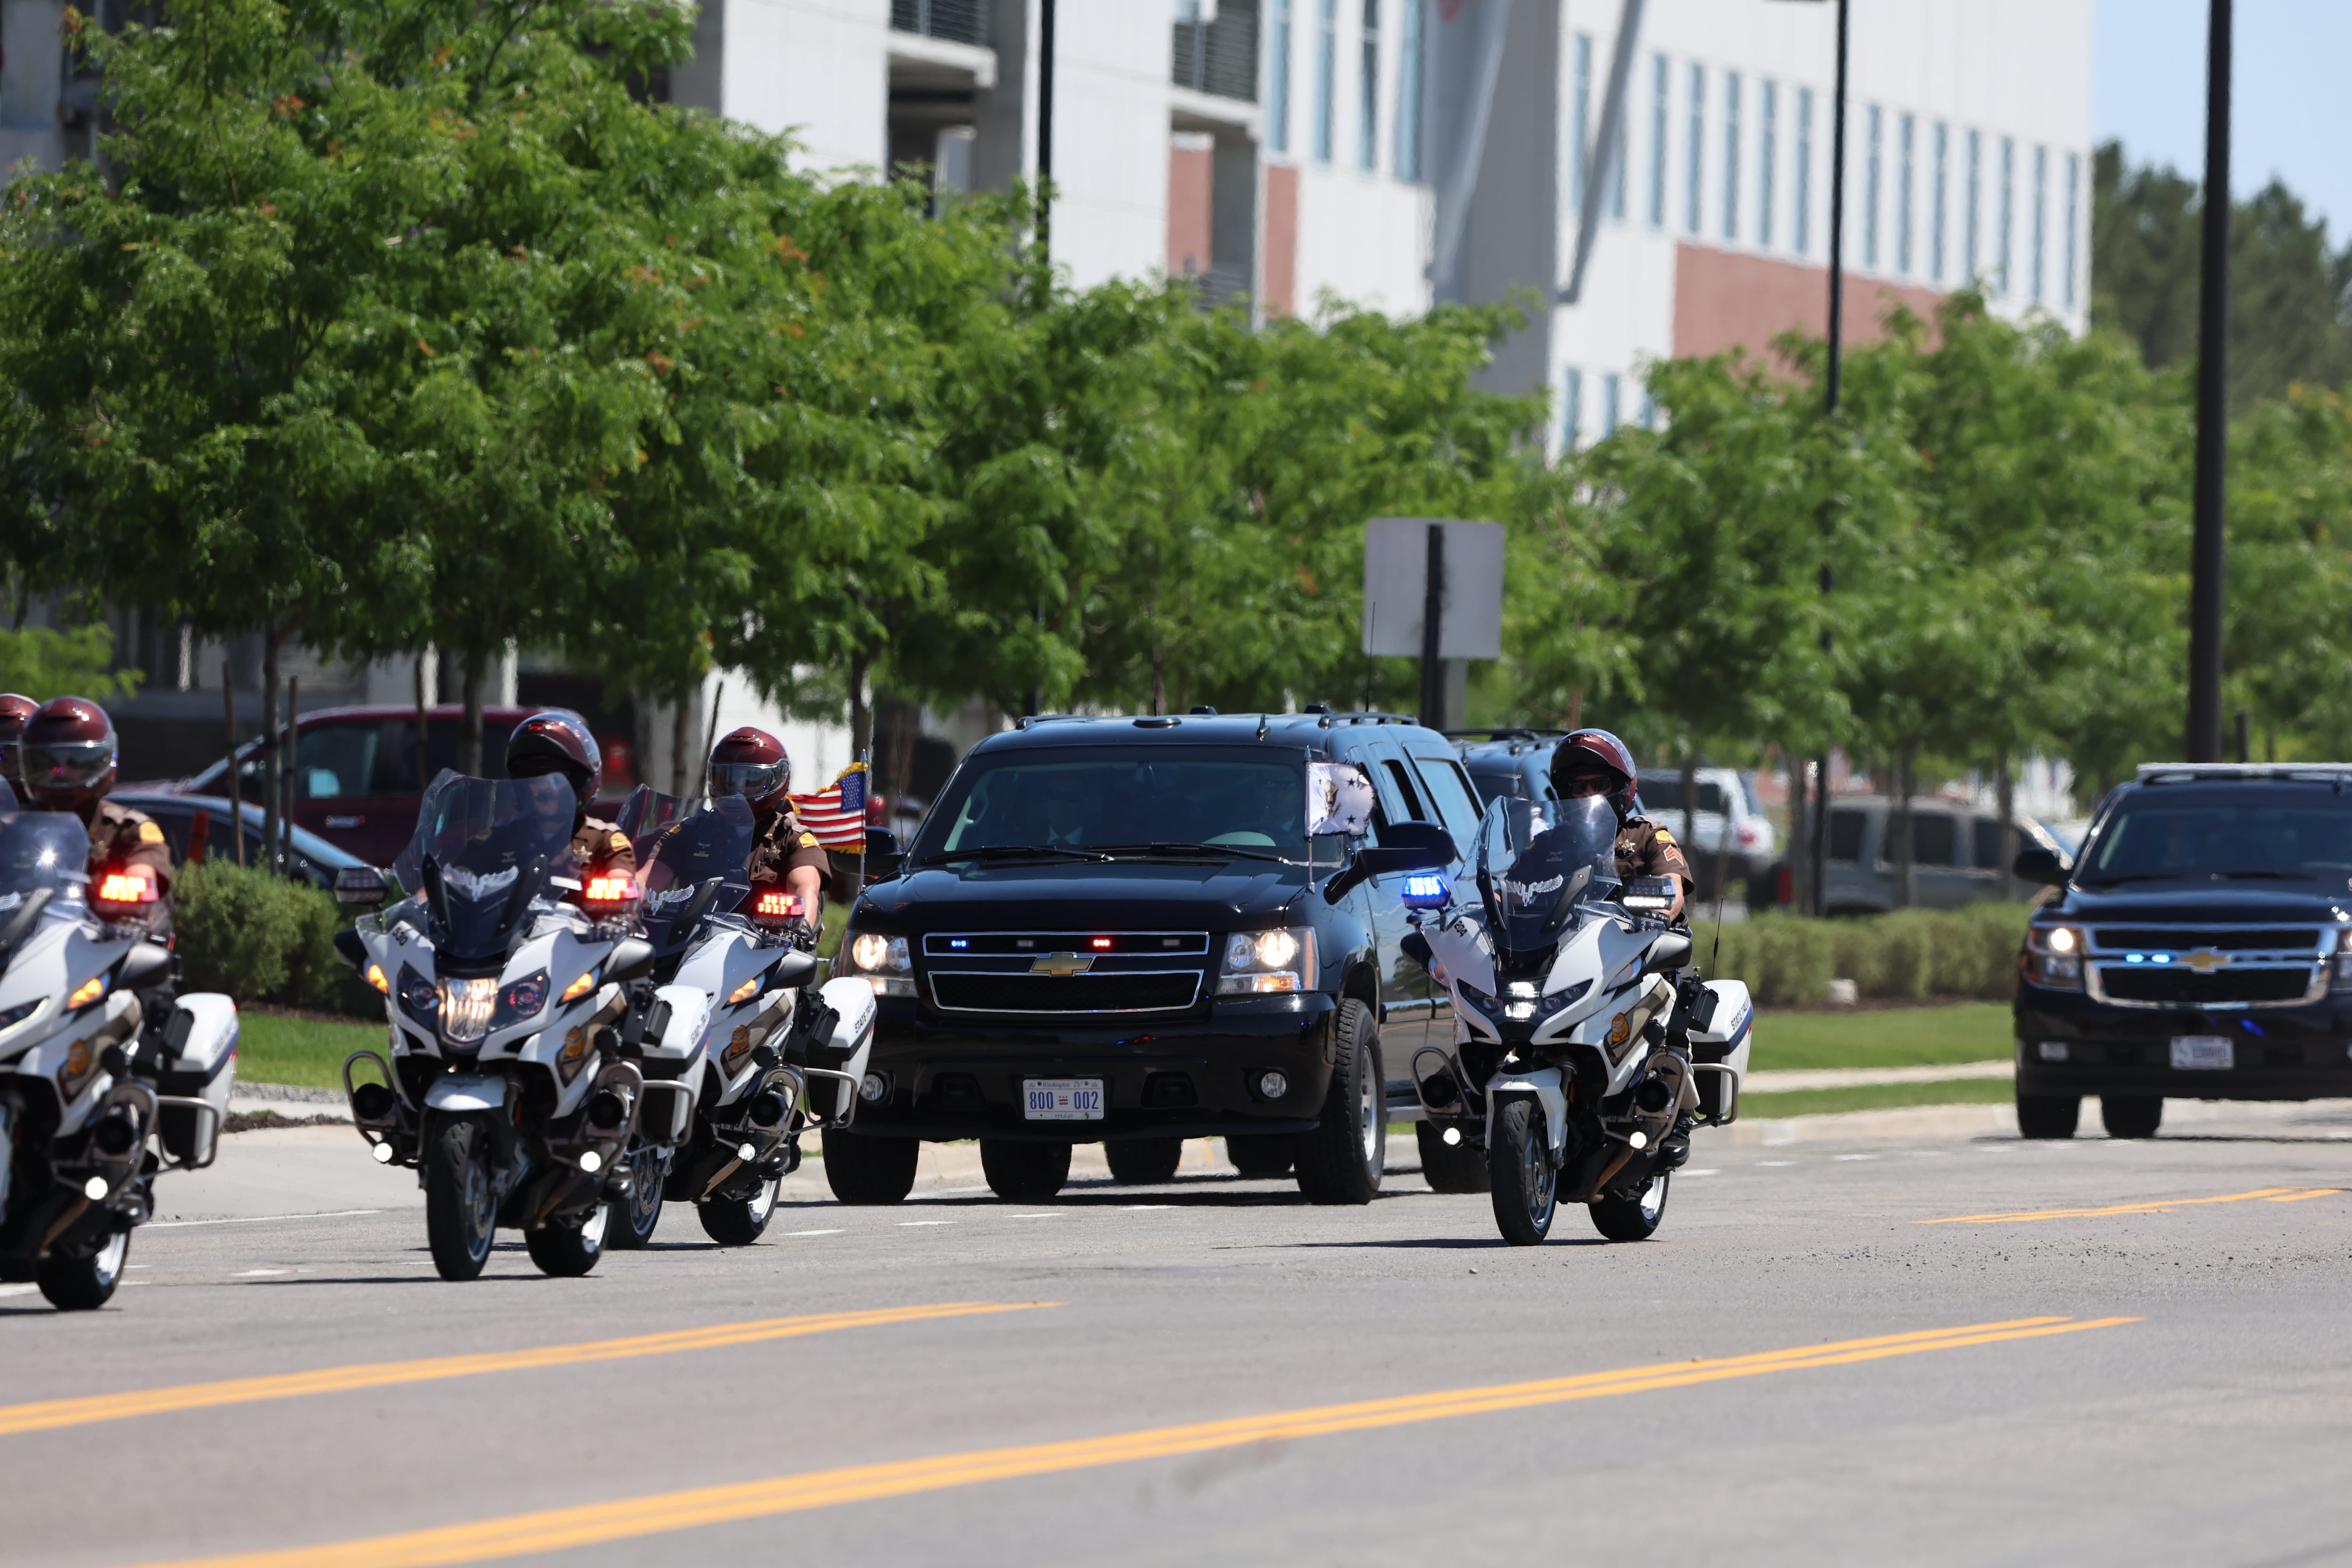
1635, 1218
461, 1214
85, 1283
1526, 1188
569, 1247
740, 1222
633, 1218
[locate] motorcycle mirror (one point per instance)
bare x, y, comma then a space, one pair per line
360, 885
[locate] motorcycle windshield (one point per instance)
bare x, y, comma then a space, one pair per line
1538, 860
681, 843
484, 849
43, 852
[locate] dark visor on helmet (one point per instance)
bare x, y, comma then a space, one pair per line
63, 765
753, 780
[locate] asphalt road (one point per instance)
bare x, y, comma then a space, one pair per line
1800, 1368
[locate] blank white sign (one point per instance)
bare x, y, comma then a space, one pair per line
1396, 574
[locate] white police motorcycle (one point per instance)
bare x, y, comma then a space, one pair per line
783, 1057
1585, 1046
505, 980
84, 1087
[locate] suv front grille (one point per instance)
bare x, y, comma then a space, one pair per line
1160, 990
2186, 988
2219, 939
1065, 973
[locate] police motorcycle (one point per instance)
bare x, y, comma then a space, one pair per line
505, 980
784, 1054
1568, 991
88, 1078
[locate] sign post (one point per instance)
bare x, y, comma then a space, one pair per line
1433, 589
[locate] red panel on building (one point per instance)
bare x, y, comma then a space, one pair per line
1281, 239
1189, 176
1724, 299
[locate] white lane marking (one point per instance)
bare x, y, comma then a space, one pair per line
812, 1233
17, 1290
1853, 1156
1706, 1173
926, 1222
260, 1273
257, 1219
1146, 1208
1049, 1213
1769, 1164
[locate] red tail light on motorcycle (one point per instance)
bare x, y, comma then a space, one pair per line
776, 906
608, 891
122, 891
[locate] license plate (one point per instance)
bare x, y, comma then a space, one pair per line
1062, 1099
2207, 1052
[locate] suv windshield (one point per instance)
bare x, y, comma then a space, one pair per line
42, 851
492, 843
1073, 800
2259, 830
1537, 862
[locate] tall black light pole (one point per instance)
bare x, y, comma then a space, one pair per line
2205, 550
1045, 131
1820, 836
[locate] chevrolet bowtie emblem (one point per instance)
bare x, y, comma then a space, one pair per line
2205, 960
1062, 965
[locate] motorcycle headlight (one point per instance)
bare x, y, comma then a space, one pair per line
521, 1000
883, 962
1260, 963
466, 1008
419, 998
1553, 1001
15, 1016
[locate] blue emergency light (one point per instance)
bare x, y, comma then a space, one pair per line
1423, 891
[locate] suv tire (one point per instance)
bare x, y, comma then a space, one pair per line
2131, 1115
1023, 1172
1144, 1162
1260, 1156
1341, 1160
2048, 1115
1451, 1167
870, 1170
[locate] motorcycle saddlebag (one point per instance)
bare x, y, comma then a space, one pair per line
199, 1063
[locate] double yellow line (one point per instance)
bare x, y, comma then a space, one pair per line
52, 1413
555, 1530
2021, 1216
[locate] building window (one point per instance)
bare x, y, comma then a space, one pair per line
1572, 398
1368, 131
1277, 80
2008, 209
2040, 206
1609, 406
1612, 163
1903, 198
1580, 125
1697, 145
1873, 149
2073, 221
1971, 229
1649, 409
1800, 218
1326, 69
1658, 74
1408, 115
1767, 151
1731, 154
1936, 212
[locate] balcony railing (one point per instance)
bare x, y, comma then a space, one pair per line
956, 21
1220, 57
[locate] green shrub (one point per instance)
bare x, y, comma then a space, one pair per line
1785, 959
262, 937
1906, 956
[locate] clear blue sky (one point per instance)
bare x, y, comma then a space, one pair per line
2293, 114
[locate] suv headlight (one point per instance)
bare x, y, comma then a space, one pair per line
1259, 962
882, 962
2053, 957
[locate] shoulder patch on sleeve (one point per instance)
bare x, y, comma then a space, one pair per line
619, 840
149, 833
808, 840
1664, 838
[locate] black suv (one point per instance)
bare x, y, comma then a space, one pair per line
1125, 930
2198, 947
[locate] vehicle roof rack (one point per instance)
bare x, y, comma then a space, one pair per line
2185, 773
1025, 720
1505, 733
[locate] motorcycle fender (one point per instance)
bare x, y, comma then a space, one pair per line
689, 1023
1544, 1083
853, 1035
461, 1091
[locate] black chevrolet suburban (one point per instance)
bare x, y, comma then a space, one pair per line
1136, 930
2200, 947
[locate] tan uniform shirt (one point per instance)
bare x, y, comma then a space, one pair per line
784, 846
119, 836
596, 844
1646, 849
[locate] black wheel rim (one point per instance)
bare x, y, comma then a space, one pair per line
481, 1214
1537, 1180
645, 1192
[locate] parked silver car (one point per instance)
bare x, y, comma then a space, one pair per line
1955, 850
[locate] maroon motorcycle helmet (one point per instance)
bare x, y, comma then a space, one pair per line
66, 756
557, 742
14, 710
754, 765
1597, 753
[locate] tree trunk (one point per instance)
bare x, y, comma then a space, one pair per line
470, 722
902, 757
286, 801
861, 712
421, 753
1906, 869
1690, 812
2004, 791
273, 762
1576, 708
681, 732
1794, 852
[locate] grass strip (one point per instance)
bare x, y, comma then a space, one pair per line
1877, 1097
1884, 1037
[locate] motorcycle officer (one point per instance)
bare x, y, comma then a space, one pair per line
14, 710
66, 762
557, 742
1596, 763
753, 763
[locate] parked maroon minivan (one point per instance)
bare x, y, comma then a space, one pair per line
355, 778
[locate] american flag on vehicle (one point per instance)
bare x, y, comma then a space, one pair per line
836, 813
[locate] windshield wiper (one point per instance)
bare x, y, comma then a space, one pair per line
1222, 851
1016, 851
2199, 876
2273, 876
